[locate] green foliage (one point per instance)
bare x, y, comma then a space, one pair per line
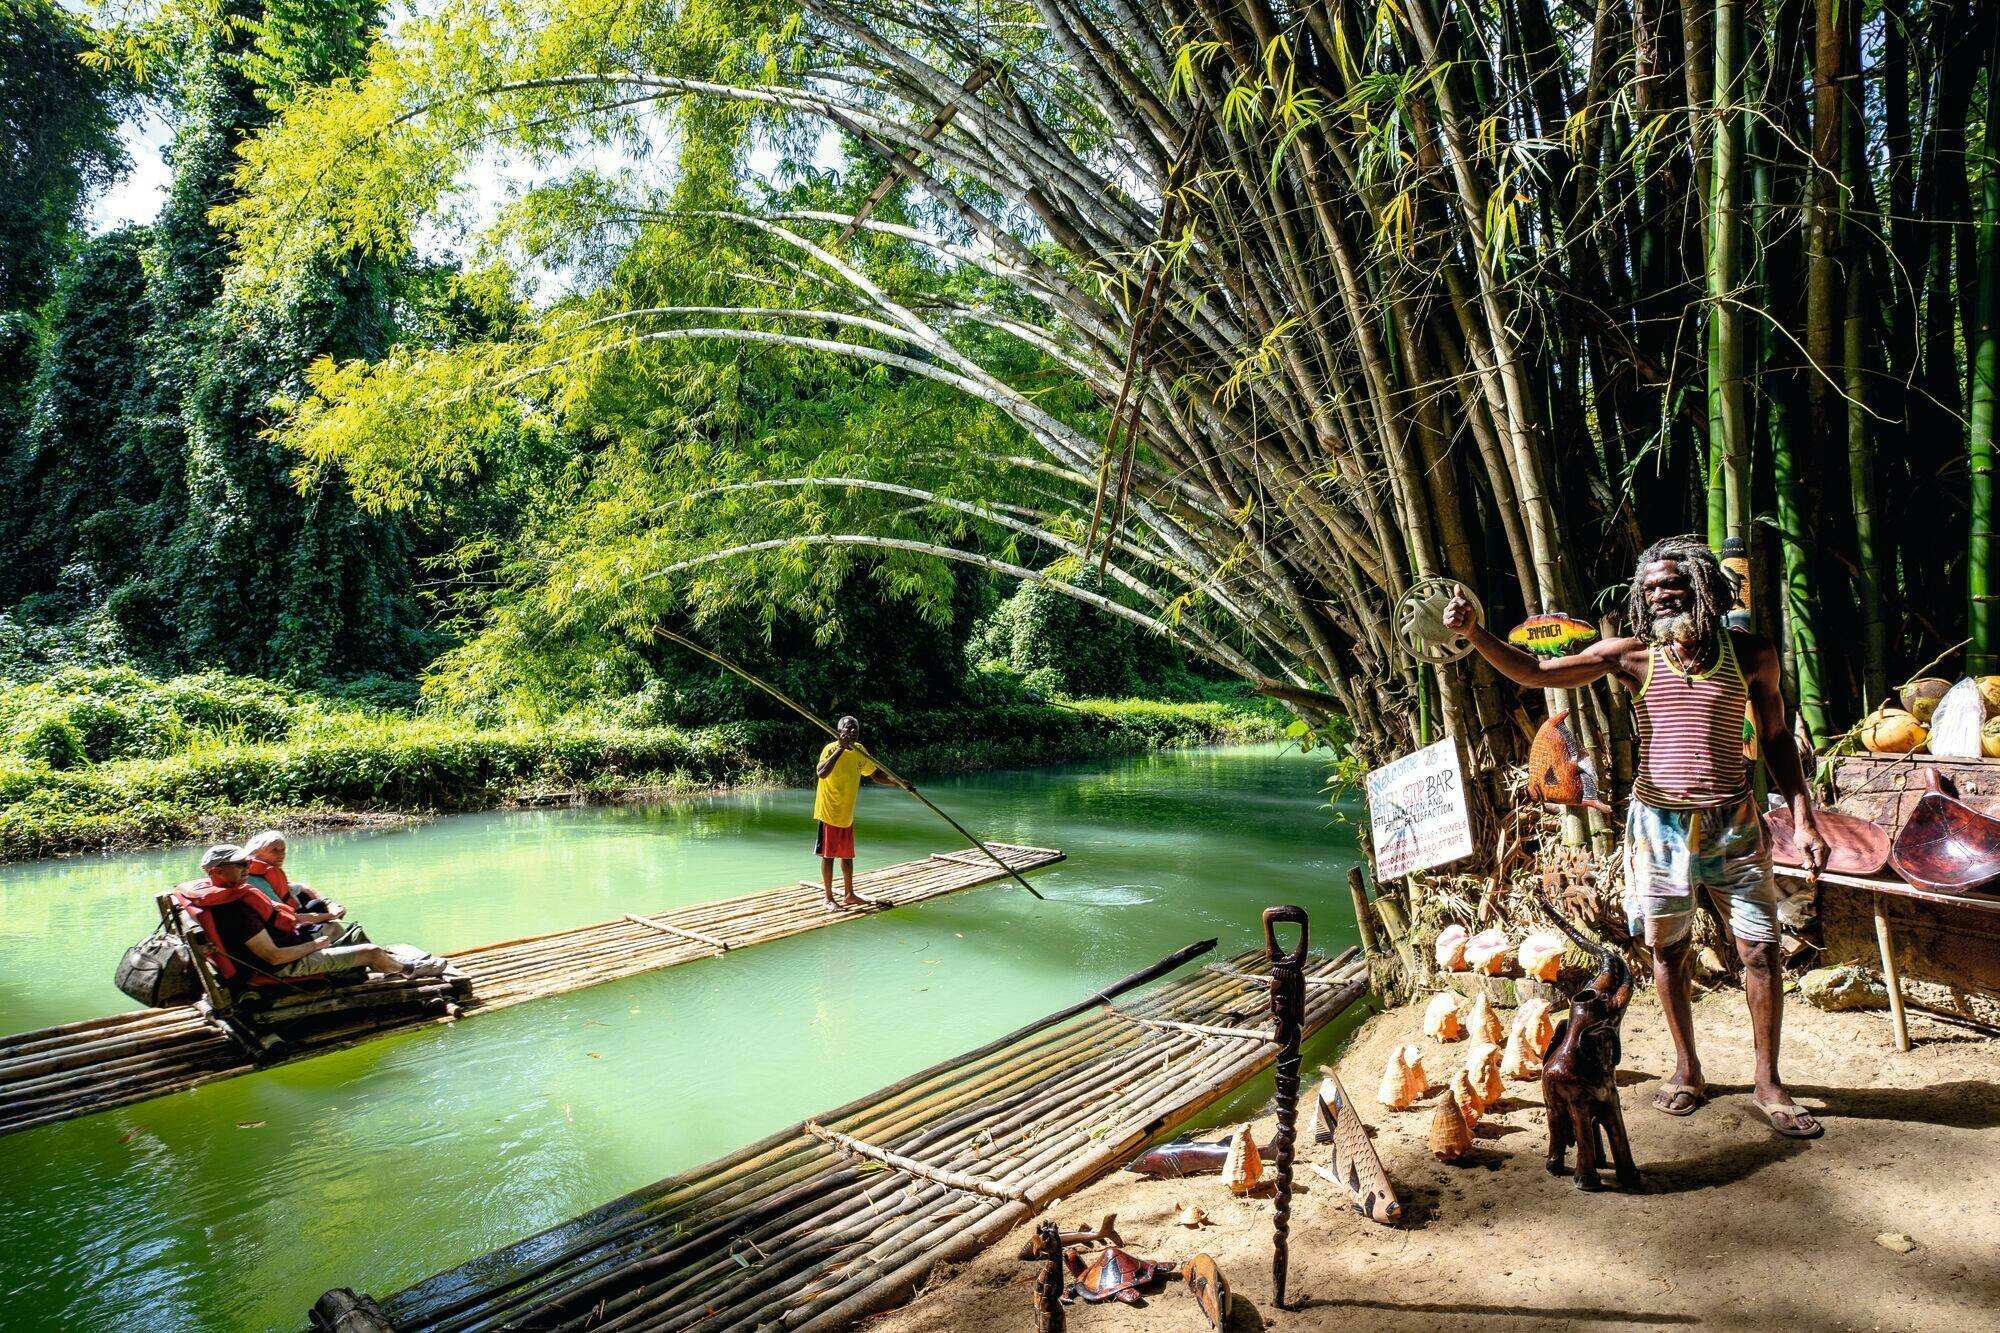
58, 143
84, 715
1062, 649
102, 758
181, 522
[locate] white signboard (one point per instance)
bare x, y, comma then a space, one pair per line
1416, 811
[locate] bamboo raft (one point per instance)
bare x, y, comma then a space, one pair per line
845, 1214
74, 1069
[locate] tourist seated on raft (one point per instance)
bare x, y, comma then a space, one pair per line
267, 875
244, 926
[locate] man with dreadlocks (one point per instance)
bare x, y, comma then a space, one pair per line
1692, 822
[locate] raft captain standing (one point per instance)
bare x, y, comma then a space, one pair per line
842, 765
1693, 820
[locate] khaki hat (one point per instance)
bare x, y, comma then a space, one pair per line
222, 854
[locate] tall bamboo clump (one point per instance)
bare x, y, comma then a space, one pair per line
1367, 294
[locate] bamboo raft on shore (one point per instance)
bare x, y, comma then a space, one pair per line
847, 1213
74, 1069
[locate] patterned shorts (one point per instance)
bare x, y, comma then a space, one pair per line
1671, 853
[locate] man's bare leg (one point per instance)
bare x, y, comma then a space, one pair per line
847, 883
1671, 980
1763, 987
826, 880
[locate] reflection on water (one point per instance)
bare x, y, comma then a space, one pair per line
233, 1206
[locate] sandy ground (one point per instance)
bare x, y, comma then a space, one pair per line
1735, 1228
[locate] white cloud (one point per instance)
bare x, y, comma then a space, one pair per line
137, 195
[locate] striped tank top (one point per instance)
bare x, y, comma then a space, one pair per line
1691, 733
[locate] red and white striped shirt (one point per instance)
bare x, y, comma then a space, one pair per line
1691, 733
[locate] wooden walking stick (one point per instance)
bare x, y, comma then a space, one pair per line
1288, 1004
819, 722
1048, 1278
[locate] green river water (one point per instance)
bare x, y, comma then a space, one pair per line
234, 1205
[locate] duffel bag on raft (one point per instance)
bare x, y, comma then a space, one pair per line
159, 972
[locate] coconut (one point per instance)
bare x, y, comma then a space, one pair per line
1989, 738
1921, 696
1892, 731
1989, 690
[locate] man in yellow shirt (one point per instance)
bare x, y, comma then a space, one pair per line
842, 765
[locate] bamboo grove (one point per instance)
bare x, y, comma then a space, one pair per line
1496, 292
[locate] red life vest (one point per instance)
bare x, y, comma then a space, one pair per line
198, 896
275, 877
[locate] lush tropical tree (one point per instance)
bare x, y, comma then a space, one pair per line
1264, 311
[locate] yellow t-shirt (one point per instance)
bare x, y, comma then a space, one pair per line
838, 790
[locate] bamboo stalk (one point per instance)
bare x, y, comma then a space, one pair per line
909, 1166
684, 933
1982, 426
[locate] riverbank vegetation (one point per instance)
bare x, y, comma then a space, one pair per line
98, 759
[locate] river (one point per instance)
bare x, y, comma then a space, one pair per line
233, 1206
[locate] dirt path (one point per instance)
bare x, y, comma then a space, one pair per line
1736, 1228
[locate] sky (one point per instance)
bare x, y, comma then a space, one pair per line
137, 196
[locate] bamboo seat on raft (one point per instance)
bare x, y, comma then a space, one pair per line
264, 1018
73, 1069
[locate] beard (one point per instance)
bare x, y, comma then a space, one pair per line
1672, 629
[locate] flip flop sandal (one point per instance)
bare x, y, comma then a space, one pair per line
1790, 1120
1667, 1101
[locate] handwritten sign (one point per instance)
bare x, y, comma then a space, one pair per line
1416, 811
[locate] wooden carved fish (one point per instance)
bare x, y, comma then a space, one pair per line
1184, 1156
1553, 635
1356, 1165
1559, 770
1210, 1290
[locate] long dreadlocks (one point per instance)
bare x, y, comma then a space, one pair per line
1712, 593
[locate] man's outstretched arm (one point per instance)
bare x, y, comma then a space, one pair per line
1597, 661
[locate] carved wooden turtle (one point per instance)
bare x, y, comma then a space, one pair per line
1114, 1275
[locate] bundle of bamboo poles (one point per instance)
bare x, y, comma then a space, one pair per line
846, 1213
74, 1069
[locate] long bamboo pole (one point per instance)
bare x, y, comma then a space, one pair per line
819, 722
1982, 427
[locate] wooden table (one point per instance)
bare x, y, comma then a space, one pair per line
1880, 887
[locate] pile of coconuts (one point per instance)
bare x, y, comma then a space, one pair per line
1907, 729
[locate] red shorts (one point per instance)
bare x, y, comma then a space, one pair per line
835, 842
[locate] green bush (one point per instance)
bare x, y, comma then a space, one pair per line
54, 742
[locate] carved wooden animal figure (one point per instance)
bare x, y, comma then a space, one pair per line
1580, 1074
